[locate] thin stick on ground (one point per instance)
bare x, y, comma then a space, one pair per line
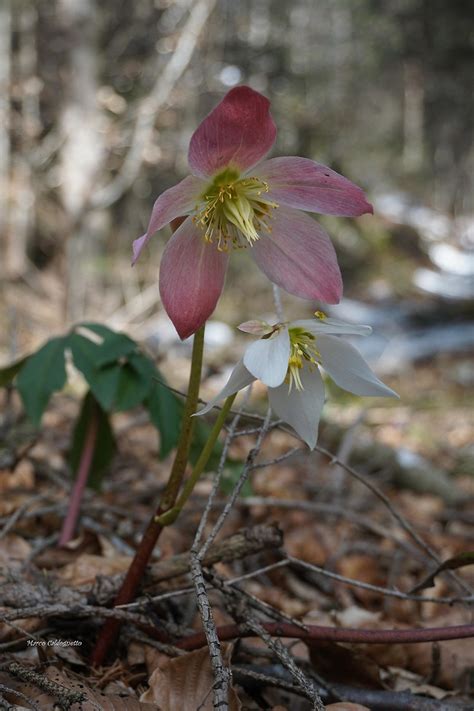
306, 685
394, 512
140, 604
377, 588
222, 674
238, 606
220, 470
252, 455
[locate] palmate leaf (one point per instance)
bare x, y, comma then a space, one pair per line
105, 445
110, 367
166, 411
110, 345
43, 373
120, 377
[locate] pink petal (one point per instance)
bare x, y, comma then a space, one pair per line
306, 185
179, 200
237, 133
298, 256
256, 327
192, 275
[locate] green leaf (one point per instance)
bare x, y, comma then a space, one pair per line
458, 561
165, 411
118, 375
85, 353
113, 347
105, 442
132, 387
43, 373
8, 373
102, 383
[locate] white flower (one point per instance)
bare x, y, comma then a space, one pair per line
287, 359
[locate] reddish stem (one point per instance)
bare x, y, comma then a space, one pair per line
111, 628
87, 454
134, 576
334, 634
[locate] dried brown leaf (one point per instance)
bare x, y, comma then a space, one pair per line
186, 683
13, 551
85, 569
93, 700
403, 680
22, 477
365, 568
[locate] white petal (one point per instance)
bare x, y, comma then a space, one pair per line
239, 379
332, 325
267, 358
301, 408
348, 369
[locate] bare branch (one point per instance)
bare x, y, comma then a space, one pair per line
394, 511
469, 599
158, 97
252, 455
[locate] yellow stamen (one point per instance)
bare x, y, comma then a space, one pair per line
303, 351
233, 212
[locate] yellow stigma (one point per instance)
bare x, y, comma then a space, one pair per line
233, 211
302, 350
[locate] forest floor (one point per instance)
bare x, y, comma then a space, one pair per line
323, 579
310, 544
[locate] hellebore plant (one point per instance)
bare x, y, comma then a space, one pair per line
287, 358
233, 201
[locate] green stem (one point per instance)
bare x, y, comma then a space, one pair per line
143, 553
170, 516
184, 443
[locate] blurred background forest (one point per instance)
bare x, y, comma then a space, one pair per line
97, 104
98, 100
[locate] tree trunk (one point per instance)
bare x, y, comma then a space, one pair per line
82, 153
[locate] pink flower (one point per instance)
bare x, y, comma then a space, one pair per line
233, 200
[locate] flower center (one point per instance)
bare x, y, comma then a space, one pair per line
233, 211
302, 350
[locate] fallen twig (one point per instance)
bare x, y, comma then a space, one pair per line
375, 699
335, 634
65, 697
238, 606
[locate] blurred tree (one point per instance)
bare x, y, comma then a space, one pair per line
102, 97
